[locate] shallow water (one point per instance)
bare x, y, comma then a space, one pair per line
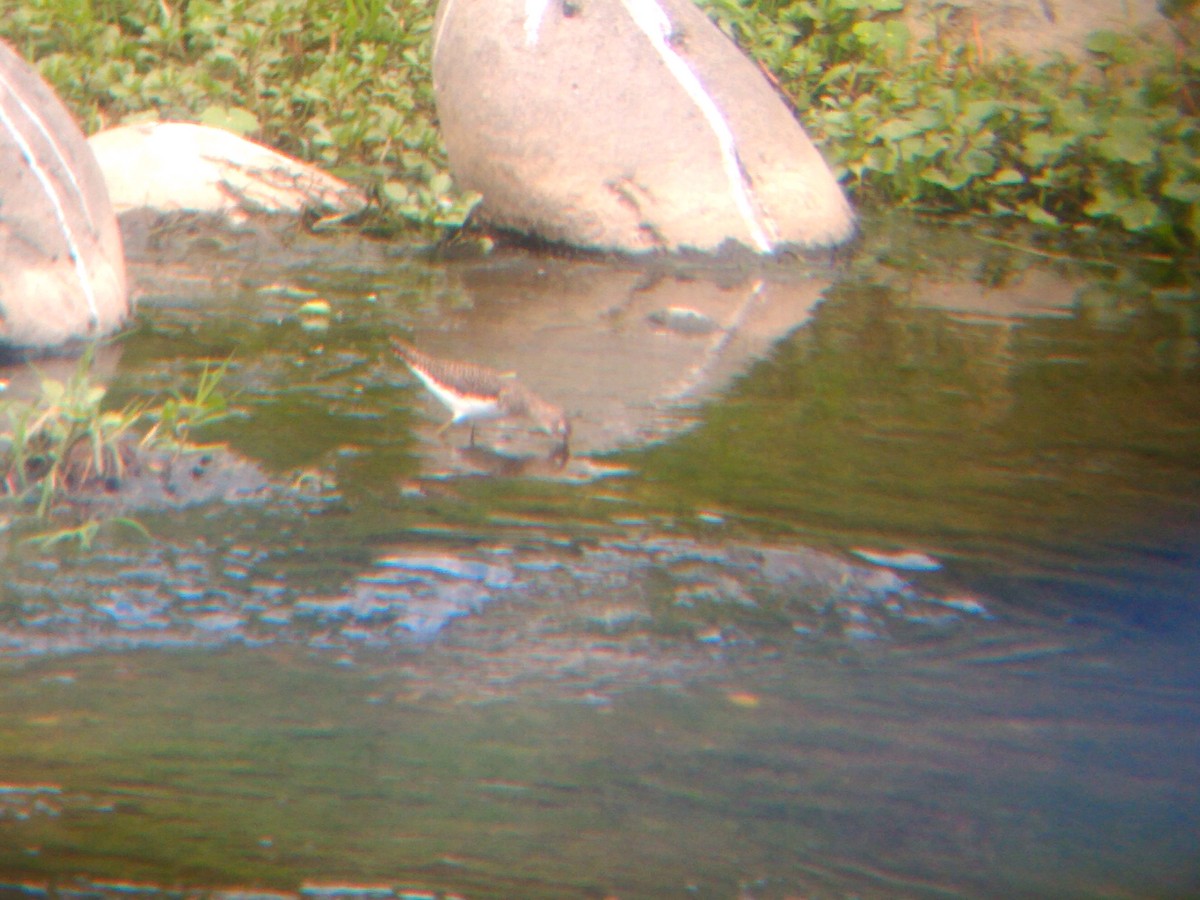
870, 576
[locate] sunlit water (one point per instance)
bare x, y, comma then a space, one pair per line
872, 576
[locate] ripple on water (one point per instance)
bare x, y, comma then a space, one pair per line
135, 608
453, 567
600, 610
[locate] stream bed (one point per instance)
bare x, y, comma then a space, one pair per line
871, 575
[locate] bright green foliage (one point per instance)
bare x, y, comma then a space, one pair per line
345, 85
62, 439
1113, 141
180, 412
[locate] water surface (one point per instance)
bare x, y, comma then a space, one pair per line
872, 575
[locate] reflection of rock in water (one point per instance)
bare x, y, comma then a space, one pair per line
620, 348
614, 614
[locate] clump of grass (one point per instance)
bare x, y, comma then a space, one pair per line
63, 439
65, 443
177, 416
84, 534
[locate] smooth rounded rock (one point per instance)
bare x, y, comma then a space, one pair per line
180, 166
62, 267
627, 125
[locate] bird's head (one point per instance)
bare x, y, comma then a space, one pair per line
553, 421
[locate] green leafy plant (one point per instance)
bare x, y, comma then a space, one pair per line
180, 413
343, 85
1105, 143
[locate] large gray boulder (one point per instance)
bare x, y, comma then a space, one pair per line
628, 125
62, 269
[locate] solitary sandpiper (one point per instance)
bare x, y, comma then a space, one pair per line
474, 393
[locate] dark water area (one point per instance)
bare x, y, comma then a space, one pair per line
868, 576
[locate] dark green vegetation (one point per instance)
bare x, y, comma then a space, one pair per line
1109, 143
65, 442
344, 85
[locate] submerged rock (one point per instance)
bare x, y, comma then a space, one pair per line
62, 268
631, 610
627, 125
166, 478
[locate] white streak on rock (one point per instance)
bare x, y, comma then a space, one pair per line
535, 11
447, 10
48, 187
37, 122
697, 374
656, 25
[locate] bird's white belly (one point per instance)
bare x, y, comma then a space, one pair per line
473, 409
465, 409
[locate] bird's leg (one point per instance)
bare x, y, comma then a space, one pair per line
471, 442
560, 455
445, 428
